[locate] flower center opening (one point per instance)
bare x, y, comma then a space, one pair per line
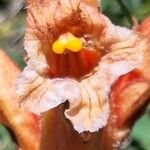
72, 56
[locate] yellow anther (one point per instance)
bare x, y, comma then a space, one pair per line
67, 41
58, 47
74, 44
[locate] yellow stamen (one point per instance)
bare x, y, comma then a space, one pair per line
67, 41
58, 47
74, 44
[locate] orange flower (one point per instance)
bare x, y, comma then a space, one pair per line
83, 78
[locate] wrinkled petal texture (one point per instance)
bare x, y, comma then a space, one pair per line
88, 96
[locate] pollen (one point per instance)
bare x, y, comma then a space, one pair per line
67, 42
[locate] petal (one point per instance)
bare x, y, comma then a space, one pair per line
38, 94
90, 114
116, 63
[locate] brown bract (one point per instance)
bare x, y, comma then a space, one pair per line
24, 125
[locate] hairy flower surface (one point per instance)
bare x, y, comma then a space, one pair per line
84, 77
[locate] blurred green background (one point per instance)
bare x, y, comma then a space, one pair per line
12, 26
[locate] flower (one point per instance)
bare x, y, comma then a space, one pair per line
83, 78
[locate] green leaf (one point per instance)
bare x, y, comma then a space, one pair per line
141, 131
6, 142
